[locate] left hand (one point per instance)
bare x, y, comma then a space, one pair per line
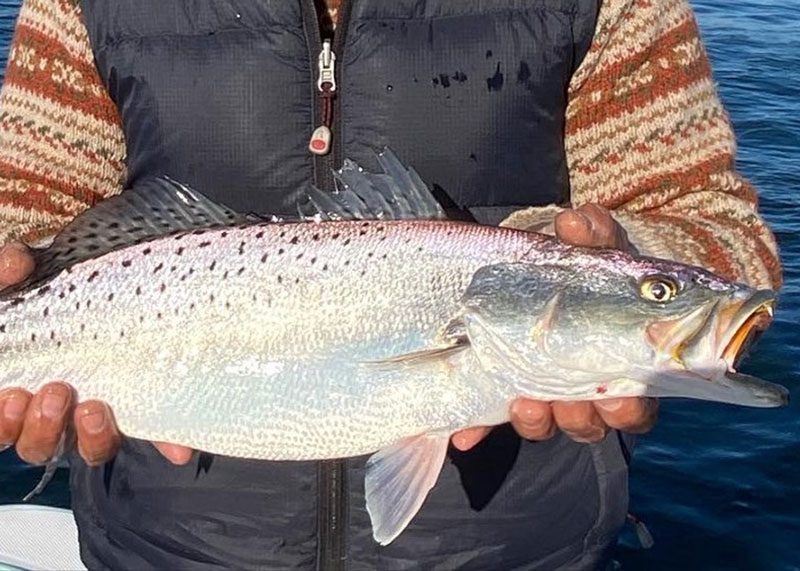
588, 225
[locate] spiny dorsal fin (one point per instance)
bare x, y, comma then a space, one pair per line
154, 208
397, 193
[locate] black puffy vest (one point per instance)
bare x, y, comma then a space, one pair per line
223, 95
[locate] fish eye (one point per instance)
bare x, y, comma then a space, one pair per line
661, 289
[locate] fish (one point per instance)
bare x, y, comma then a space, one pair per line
371, 325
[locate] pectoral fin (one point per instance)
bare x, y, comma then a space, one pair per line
398, 480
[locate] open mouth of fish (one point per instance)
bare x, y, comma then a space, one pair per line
706, 359
743, 324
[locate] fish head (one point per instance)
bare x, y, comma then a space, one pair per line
600, 320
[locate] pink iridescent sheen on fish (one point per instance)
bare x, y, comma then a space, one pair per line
359, 330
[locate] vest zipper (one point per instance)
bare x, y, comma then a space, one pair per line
332, 514
320, 143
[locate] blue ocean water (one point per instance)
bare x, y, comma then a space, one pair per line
718, 486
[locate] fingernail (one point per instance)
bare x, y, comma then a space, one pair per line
54, 403
588, 437
14, 409
93, 421
609, 405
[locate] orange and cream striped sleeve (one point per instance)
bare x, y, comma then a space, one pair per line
648, 138
62, 147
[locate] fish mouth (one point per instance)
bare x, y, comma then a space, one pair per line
741, 323
704, 361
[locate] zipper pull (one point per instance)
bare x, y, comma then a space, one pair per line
320, 143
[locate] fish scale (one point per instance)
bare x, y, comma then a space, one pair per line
287, 310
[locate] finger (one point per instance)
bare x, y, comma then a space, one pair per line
533, 419
178, 455
603, 227
45, 420
13, 404
572, 227
466, 439
580, 421
16, 264
98, 437
636, 415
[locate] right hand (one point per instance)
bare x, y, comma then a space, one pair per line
34, 422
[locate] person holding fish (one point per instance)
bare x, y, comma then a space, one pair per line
595, 122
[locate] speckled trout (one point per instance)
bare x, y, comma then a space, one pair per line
360, 330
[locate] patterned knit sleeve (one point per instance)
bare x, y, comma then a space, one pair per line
647, 137
61, 144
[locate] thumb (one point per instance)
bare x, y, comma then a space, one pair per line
16, 264
573, 227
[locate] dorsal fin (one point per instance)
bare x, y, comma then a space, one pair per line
154, 208
397, 193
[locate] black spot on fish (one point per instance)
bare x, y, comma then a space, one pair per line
58, 344
192, 306
212, 266
179, 251
147, 251
163, 287
347, 242
92, 276
138, 290
52, 335
158, 268
280, 279
347, 262
211, 298
71, 287
488, 54
260, 235
296, 281
3, 328
173, 268
225, 275
227, 304
495, 83
241, 271
314, 260
384, 256
159, 315
72, 239
43, 290
121, 334
419, 249
370, 254
126, 263
336, 236
111, 296
113, 226
460, 76
264, 258
62, 295
473, 158
435, 81
205, 244
294, 240
83, 327
199, 232
46, 312
362, 232
33, 336
325, 268
315, 237
241, 247
92, 248
91, 236
283, 234
280, 251
77, 305
300, 255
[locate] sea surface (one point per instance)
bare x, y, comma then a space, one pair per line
718, 486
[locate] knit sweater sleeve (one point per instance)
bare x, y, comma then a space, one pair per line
61, 142
647, 137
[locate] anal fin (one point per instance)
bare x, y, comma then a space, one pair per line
398, 480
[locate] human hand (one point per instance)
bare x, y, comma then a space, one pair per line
589, 225
35, 422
